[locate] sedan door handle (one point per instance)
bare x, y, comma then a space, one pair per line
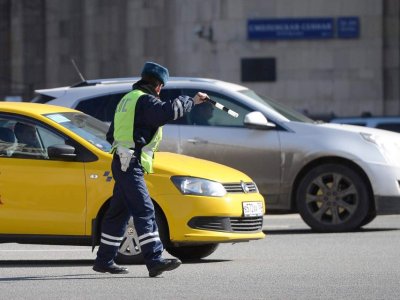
197, 141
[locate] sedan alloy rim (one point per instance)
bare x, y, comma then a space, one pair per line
332, 198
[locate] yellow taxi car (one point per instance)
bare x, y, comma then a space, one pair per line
56, 183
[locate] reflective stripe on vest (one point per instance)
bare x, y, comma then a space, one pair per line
146, 158
124, 120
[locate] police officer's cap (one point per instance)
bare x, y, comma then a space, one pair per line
155, 70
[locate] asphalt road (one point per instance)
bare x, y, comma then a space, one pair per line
290, 263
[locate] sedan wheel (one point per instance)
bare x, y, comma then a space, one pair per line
333, 198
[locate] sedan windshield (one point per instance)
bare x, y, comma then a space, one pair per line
284, 111
87, 127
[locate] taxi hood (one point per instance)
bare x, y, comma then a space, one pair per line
177, 164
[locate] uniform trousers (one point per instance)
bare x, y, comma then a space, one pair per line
130, 198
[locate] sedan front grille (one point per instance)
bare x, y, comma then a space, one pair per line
240, 187
233, 224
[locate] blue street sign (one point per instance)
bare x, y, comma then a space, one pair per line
348, 27
294, 28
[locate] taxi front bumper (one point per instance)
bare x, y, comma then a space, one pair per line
198, 219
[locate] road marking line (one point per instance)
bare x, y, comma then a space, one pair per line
33, 250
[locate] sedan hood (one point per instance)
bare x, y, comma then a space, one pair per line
183, 165
362, 129
346, 141
338, 130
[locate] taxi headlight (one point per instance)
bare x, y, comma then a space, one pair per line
198, 186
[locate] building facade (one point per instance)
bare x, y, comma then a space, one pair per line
322, 57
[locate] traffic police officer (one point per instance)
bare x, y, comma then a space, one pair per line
135, 135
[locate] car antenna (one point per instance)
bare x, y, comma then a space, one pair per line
77, 70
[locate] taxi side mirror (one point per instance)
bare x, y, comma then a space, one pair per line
63, 152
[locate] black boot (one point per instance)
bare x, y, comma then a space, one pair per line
113, 269
164, 265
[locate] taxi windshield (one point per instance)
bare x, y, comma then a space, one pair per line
87, 127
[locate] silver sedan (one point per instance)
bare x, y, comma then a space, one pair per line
337, 177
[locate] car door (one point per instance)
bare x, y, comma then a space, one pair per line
226, 140
39, 195
171, 131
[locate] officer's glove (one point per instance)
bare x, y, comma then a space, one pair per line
125, 156
200, 98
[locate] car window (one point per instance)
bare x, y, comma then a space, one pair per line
25, 139
102, 107
281, 109
7, 137
389, 126
87, 127
207, 115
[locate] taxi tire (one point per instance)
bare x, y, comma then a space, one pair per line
192, 252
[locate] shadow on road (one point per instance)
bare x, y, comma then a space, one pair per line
73, 263
95, 276
45, 263
204, 261
81, 262
309, 231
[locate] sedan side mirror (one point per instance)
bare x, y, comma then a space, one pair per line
63, 152
257, 120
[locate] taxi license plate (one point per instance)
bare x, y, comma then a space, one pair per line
252, 209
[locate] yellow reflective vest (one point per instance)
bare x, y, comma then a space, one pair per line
124, 120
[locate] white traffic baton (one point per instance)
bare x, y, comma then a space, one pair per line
222, 107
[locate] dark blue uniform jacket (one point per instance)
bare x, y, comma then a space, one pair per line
151, 113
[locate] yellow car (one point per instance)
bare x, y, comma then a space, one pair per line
56, 183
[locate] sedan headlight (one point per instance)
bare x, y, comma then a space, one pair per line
390, 148
198, 186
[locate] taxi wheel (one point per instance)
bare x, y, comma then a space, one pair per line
333, 198
194, 252
129, 251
